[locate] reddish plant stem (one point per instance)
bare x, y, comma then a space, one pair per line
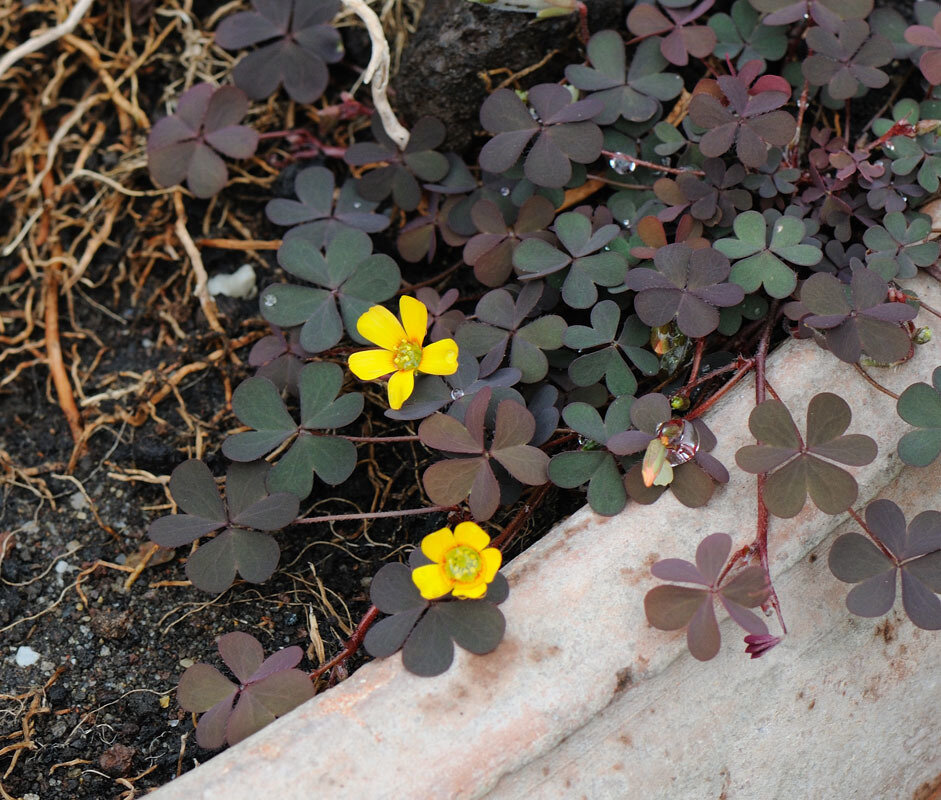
509, 532
761, 539
929, 309
692, 384
873, 382
379, 439
637, 186
801, 108
352, 644
694, 369
870, 534
583, 33
299, 136
650, 165
703, 407
402, 512
411, 287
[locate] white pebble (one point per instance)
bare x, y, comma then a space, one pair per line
240, 284
26, 656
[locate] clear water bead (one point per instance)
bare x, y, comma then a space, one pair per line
357, 204
269, 300
457, 394
681, 440
621, 164
505, 191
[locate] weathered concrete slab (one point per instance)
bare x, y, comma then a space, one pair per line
584, 699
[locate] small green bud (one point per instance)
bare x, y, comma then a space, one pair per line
679, 403
922, 335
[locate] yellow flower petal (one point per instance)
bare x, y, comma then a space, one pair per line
414, 318
431, 581
492, 560
401, 385
436, 544
379, 326
470, 590
367, 365
439, 358
471, 534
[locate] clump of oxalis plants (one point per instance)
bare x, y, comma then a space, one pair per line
639, 233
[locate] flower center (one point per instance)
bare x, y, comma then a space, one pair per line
462, 563
407, 355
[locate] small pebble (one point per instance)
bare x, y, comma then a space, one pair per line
240, 284
26, 656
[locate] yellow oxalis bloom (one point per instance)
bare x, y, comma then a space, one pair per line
463, 564
402, 352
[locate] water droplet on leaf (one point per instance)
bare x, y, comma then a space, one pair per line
622, 164
270, 300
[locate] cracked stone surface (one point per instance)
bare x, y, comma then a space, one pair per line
584, 699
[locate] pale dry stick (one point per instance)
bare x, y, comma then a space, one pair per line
377, 71
87, 173
202, 279
46, 37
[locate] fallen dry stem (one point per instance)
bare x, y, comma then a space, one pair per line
46, 37
377, 72
202, 279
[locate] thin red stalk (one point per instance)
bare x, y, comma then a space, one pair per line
873, 382
509, 532
692, 384
694, 369
761, 538
650, 165
411, 287
802, 105
870, 534
603, 179
352, 644
402, 512
703, 407
379, 439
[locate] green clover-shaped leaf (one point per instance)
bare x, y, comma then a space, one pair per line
609, 362
592, 464
257, 403
348, 272
920, 405
760, 256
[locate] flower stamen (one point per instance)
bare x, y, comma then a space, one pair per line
407, 355
463, 563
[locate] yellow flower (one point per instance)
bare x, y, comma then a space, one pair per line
463, 564
402, 353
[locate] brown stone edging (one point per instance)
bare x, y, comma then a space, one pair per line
576, 634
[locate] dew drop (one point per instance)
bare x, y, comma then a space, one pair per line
457, 394
621, 164
505, 191
626, 224
582, 440
357, 204
681, 439
270, 300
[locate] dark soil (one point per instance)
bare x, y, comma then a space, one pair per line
95, 716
